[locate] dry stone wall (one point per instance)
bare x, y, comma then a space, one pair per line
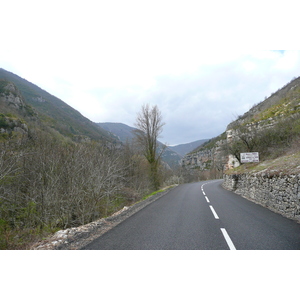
278, 192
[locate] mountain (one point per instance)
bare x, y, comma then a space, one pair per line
125, 133
183, 149
271, 127
15, 114
121, 131
55, 113
281, 104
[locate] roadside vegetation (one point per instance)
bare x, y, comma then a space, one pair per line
50, 181
275, 134
288, 164
280, 138
53, 179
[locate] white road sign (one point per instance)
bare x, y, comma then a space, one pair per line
249, 157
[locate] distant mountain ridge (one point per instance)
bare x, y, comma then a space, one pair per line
125, 134
122, 131
58, 115
183, 149
172, 155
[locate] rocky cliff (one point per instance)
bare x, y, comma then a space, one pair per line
211, 156
270, 127
13, 108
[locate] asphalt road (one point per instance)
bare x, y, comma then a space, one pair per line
202, 216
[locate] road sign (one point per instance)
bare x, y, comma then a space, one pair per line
249, 157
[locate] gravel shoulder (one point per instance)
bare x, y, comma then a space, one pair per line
78, 237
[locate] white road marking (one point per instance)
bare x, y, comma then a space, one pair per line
214, 213
228, 239
223, 230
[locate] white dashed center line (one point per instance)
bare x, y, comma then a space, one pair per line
214, 213
228, 239
223, 230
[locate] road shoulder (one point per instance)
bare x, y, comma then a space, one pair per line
78, 237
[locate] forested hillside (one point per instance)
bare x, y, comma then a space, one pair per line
53, 179
59, 170
55, 113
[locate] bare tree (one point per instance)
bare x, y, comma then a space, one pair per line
149, 126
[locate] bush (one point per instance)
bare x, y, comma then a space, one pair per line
48, 183
271, 142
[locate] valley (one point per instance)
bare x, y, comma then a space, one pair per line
59, 170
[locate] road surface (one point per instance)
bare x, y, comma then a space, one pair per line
202, 216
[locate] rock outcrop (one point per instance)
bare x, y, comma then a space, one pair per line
12, 107
10, 95
211, 158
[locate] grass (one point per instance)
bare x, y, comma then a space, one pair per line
159, 191
286, 164
152, 194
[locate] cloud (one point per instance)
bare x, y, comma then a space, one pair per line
201, 104
107, 58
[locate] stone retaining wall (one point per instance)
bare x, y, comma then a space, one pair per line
280, 193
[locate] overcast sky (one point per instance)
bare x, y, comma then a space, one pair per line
107, 58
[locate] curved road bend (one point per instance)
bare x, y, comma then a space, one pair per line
201, 216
